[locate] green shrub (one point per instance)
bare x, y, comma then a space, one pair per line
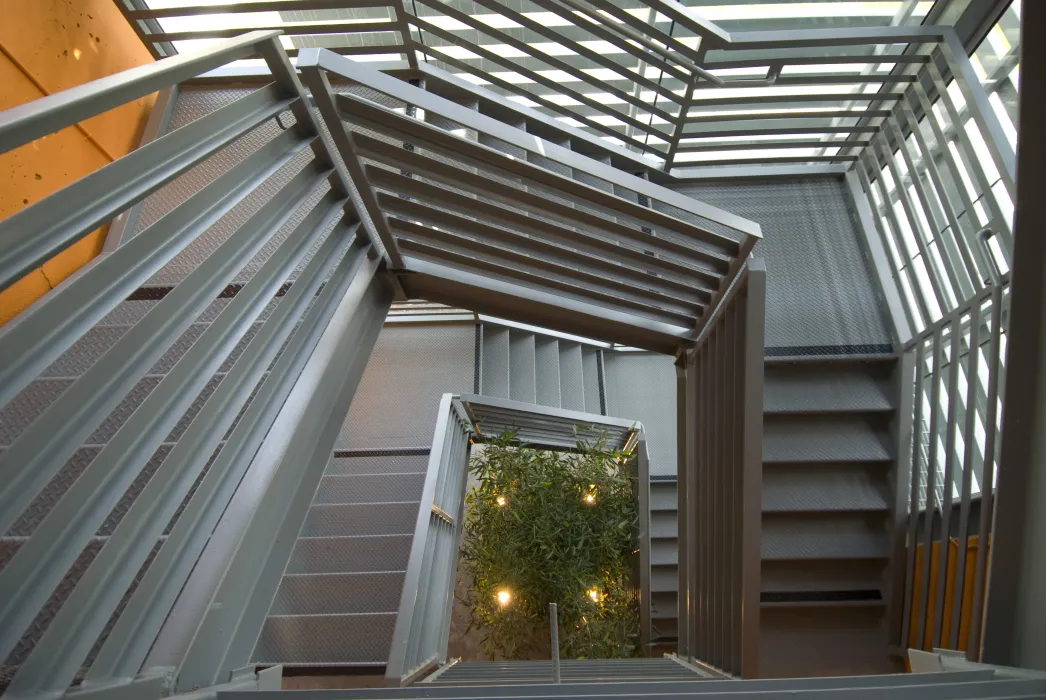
551, 527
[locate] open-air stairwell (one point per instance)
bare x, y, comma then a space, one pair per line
776, 544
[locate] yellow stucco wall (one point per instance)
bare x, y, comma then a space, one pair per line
47, 46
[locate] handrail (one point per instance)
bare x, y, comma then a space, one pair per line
27, 122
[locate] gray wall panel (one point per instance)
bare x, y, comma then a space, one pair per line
410, 368
642, 386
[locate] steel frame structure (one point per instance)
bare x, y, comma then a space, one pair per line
627, 260
828, 86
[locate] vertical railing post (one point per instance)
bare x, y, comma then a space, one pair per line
553, 622
683, 429
752, 464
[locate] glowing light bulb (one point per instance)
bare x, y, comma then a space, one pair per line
500, 500
504, 598
594, 595
590, 498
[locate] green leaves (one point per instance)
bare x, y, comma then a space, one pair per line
551, 527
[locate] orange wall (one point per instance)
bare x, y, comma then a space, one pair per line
47, 46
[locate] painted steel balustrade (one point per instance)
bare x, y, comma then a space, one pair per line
321, 304
720, 413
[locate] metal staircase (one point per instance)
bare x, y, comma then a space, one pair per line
481, 204
829, 470
338, 599
522, 365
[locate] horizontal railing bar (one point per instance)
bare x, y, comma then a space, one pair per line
433, 279
538, 99
781, 131
539, 79
596, 29
413, 131
651, 30
40, 564
594, 56
288, 29
474, 254
697, 263
557, 240
128, 644
832, 79
258, 6
572, 278
357, 50
771, 160
835, 97
825, 114
624, 243
868, 59
36, 233
629, 160
466, 117
43, 448
752, 145
842, 36
34, 339
24, 123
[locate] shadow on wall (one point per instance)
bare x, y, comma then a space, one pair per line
47, 46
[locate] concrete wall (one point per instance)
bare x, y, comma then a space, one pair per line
47, 46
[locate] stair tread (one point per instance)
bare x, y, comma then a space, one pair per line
369, 488
338, 593
845, 536
347, 639
832, 389
806, 489
838, 439
344, 554
391, 518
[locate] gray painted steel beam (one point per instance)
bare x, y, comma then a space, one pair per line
134, 633
24, 123
367, 209
444, 284
289, 29
37, 337
317, 407
36, 233
250, 6
41, 562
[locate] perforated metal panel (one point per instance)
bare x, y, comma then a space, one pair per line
820, 292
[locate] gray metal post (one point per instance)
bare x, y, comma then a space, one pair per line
1013, 629
553, 621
